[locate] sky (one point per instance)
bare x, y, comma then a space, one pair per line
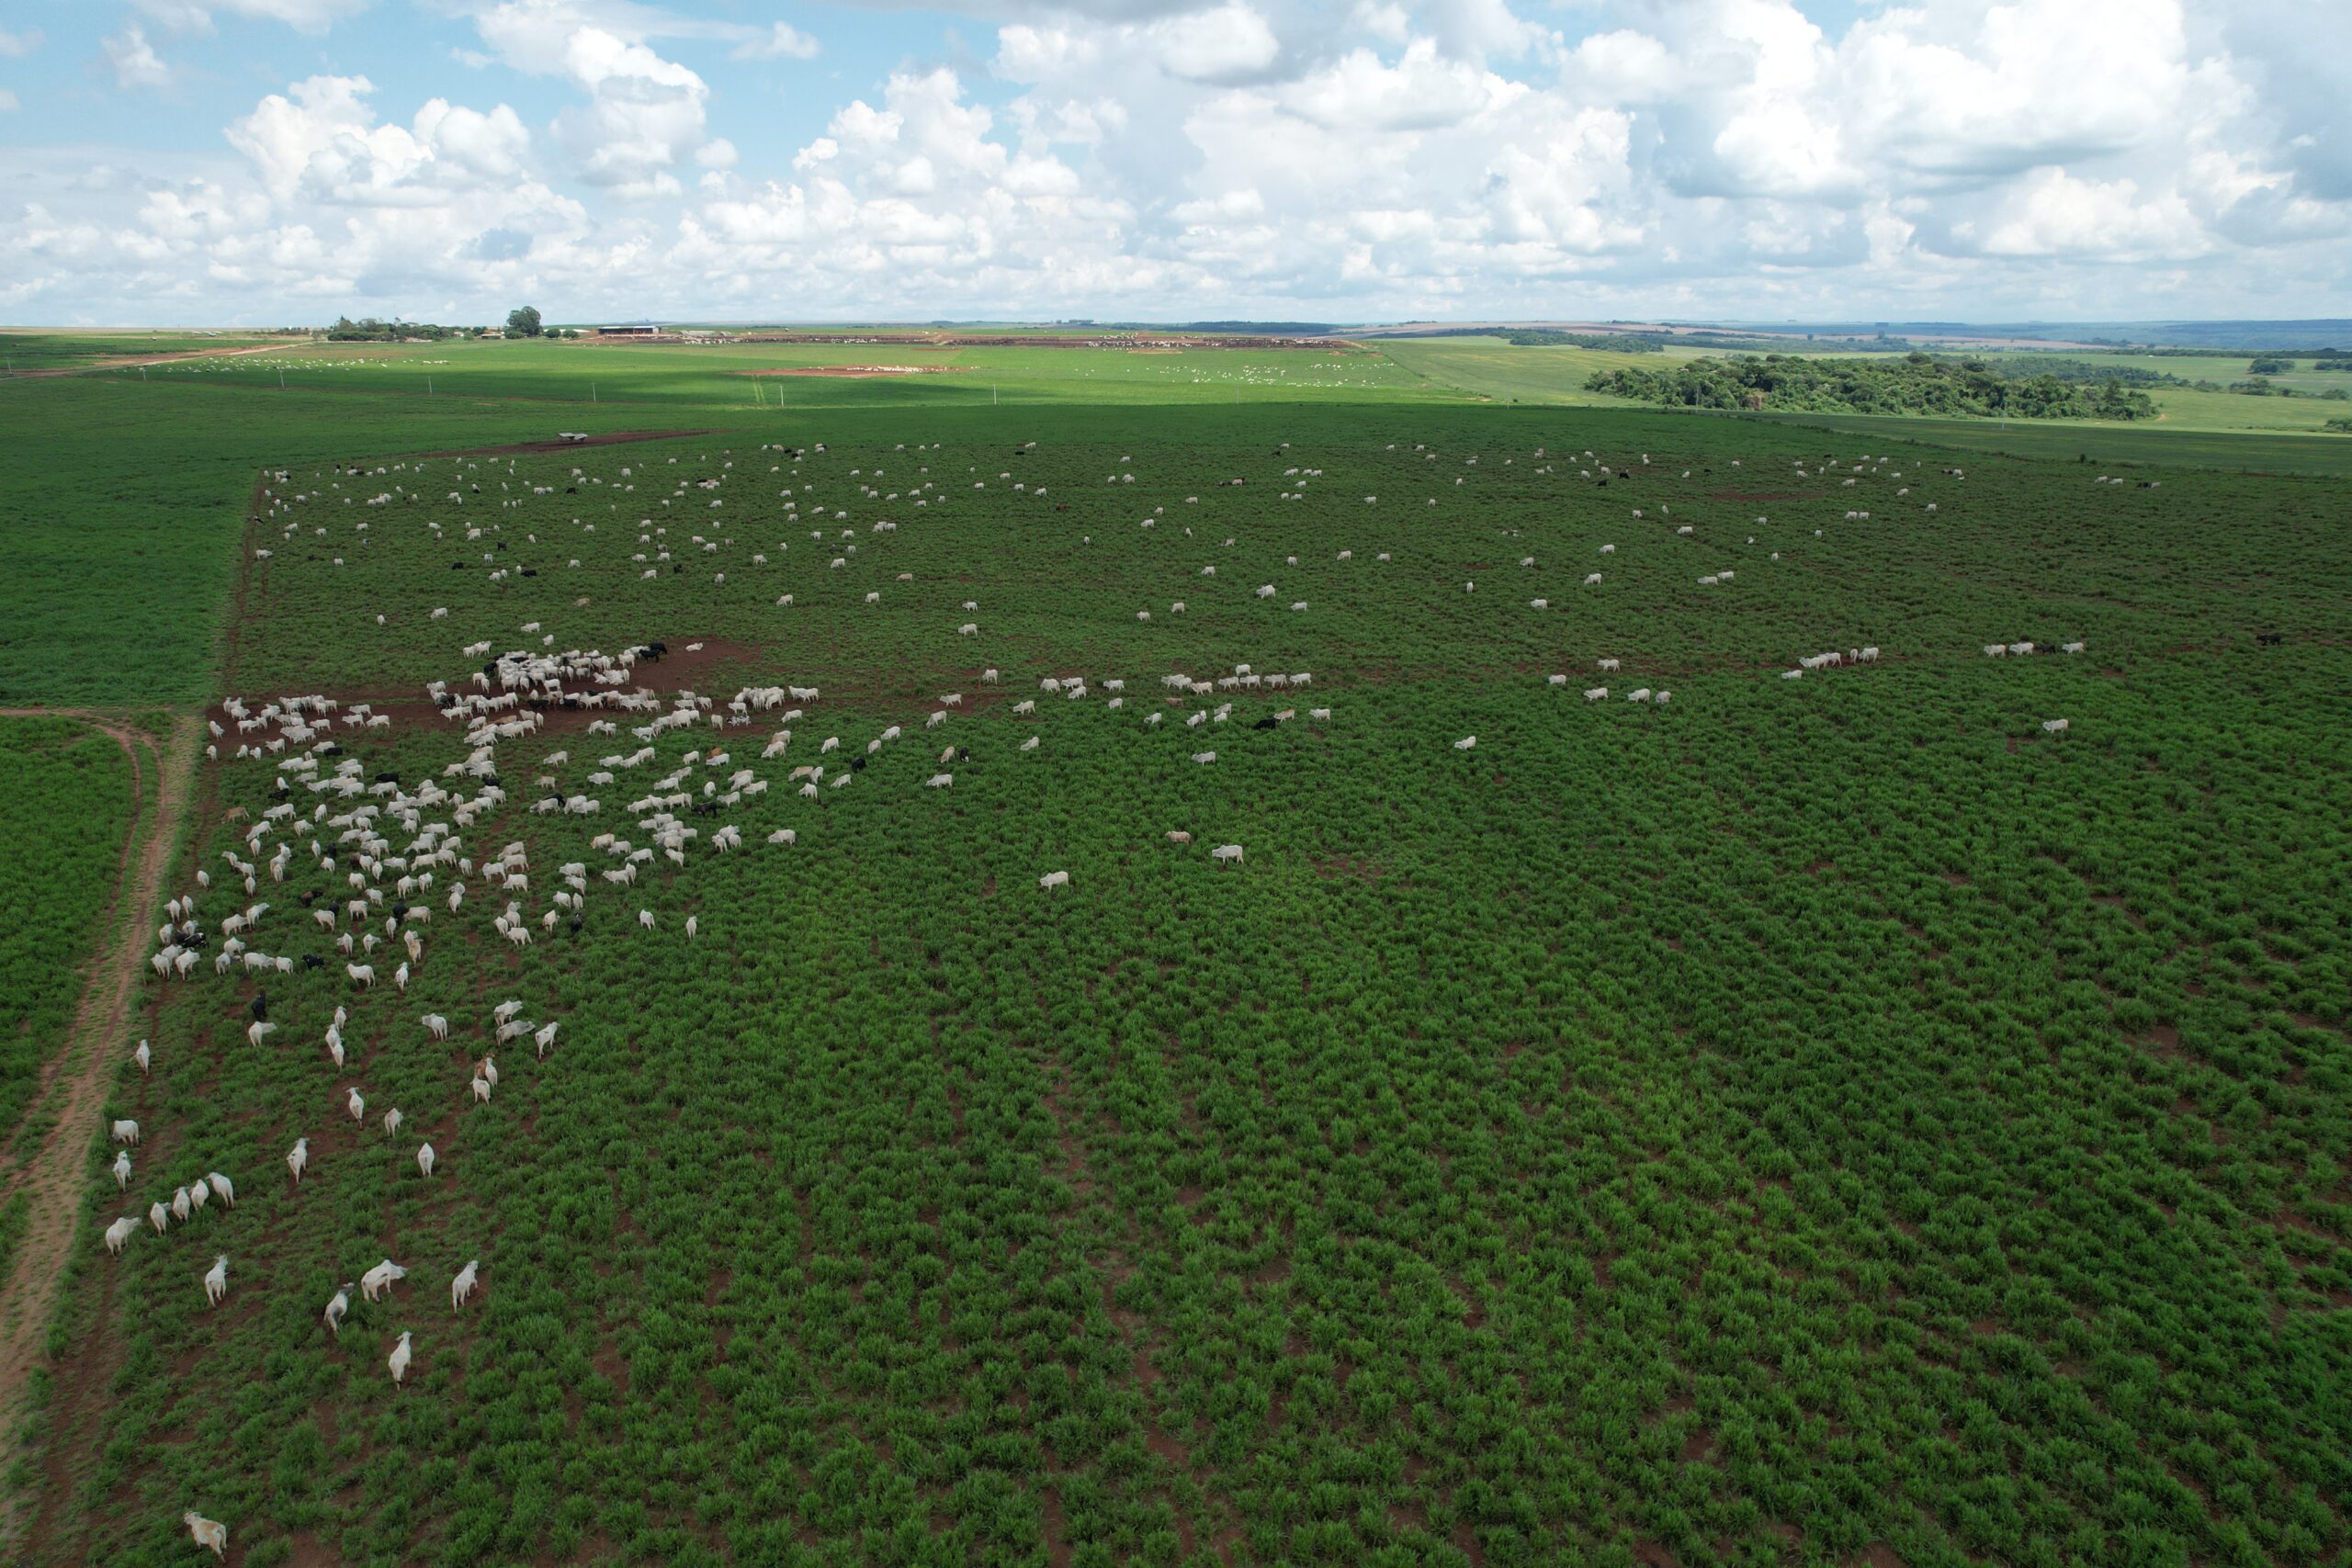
216, 163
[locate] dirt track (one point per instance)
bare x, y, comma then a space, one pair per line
74, 1086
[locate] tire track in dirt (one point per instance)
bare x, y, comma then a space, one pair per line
52, 1179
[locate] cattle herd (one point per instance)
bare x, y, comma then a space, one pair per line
369, 868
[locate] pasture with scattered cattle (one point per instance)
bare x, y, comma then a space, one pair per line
1725, 1104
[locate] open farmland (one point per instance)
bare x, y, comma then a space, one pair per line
66, 800
1832, 1118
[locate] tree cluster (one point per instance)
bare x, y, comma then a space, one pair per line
1916, 384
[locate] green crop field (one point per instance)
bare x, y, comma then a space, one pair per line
1832, 1119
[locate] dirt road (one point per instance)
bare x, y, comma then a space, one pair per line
73, 1086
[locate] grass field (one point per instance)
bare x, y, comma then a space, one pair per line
22, 352
1815, 1119
1825, 1119
1491, 367
65, 803
742, 375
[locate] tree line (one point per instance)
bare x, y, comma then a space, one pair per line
1916, 384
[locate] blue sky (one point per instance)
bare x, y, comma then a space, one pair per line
222, 161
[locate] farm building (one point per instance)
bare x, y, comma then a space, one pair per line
629, 328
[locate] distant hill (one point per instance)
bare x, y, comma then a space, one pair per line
2305, 336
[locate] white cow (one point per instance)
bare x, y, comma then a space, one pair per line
397, 1361
463, 1285
378, 1281
207, 1532
1054, 879
1225, 852
216, 1281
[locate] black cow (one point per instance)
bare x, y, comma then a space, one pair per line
2269, 639
963, 753
312, 961
388, 777
857, 764
530, 571
260, 1008
306, 897
1267, 724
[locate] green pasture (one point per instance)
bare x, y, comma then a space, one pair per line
1828, 1119
724, 375
1819, 1119
22, 350
65, 804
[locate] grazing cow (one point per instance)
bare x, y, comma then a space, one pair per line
378, 1281
1226, 853
206, 1533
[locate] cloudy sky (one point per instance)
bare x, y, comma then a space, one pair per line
225, 161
